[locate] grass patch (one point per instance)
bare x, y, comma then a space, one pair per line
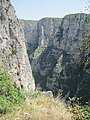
39, 106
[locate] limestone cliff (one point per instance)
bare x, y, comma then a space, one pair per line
29, 27
13, 55
57, 61
40, 34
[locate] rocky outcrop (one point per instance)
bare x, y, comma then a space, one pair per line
58, 59
13, 55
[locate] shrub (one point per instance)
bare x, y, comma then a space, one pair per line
9, 94
80, 112
38, 87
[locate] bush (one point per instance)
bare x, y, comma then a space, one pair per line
80, 112
9, 94
38, 87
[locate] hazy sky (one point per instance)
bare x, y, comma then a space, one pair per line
37, 9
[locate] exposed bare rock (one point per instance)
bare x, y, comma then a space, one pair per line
13, 55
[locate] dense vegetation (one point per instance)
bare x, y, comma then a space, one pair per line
9, 94
38, 106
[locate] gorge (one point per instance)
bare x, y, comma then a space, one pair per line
44, 65
55, 50
56, 53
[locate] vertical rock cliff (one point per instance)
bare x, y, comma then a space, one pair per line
29, 27
13, 55
74, 76
40, 34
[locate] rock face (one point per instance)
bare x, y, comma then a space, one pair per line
74, 76
29, 27
58, 60
13, 55
40, 34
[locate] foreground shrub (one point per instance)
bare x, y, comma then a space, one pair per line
9, 94
80, 112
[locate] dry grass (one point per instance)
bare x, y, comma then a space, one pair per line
40, 107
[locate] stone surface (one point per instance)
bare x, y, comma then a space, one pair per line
40, 34
13, 55
30, 27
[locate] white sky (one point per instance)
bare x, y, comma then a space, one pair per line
37, 9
